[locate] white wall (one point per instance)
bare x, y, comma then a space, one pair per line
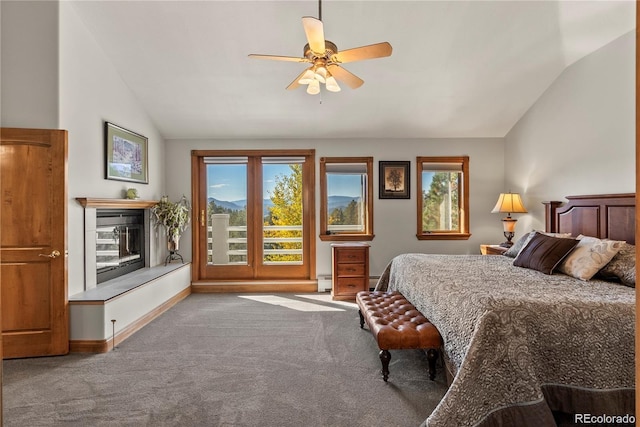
55, 76
394, 220
579, 137
29, 73
91, 92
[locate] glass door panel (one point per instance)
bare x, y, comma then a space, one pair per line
282, 209
227, 214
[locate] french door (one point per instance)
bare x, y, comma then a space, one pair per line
254, 214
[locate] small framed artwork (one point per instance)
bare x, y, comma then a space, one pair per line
126, 155
394, 180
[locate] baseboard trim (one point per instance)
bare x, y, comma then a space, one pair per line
104, 346
258, 286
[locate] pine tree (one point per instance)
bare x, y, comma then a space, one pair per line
436, 216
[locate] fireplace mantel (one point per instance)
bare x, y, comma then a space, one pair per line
89, 202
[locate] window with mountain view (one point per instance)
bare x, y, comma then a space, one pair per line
346, 211
443, 198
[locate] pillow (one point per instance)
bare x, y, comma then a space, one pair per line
515, 249
544, 253
589, 256
622, 266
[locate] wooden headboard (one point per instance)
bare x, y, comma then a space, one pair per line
606, 216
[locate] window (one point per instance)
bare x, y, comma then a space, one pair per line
346, 191
443, 198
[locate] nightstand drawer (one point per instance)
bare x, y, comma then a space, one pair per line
350, 285
348, 270
350, 255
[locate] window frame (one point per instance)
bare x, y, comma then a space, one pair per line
367, 234
463, 200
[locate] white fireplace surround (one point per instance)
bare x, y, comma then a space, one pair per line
104, 315
91, 206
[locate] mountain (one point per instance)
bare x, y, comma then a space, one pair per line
335, 202
239, 205
234, 206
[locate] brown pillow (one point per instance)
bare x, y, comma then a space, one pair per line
544, 253
514, 250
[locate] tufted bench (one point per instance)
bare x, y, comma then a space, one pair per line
396, 324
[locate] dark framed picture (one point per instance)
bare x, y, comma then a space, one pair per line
394, 180
126, 155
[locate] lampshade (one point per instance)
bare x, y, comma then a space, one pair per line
321, 74
332, 84
307, 77
314, 87
509, 203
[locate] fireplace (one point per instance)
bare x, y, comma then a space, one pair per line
120, 242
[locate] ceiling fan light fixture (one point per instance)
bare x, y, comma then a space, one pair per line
332, 84
321, 74
307, 77
314, 87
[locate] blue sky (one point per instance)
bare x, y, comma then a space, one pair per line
344, 185
229, 182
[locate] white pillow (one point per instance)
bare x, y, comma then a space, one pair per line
589, 256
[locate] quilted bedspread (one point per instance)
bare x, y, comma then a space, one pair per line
523, 343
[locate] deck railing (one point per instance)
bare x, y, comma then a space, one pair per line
228, 244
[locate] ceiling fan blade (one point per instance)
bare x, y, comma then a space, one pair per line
294, 84
279, 58
345, 76
378, 50
314, 30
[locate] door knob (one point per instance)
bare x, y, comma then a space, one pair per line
54, 254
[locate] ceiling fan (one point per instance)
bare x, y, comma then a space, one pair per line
326, 60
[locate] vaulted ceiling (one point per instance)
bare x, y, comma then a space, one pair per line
458, 68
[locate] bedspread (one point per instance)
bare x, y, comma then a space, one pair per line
523, 343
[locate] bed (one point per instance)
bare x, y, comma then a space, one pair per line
527, 348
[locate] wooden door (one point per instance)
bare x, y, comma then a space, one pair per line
33, 242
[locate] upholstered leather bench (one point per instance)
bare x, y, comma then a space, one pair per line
396, 325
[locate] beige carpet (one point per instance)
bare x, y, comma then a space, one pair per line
229, 360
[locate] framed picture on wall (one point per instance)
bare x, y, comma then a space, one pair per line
126, 155
394, 180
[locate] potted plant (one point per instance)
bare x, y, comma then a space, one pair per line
174, 216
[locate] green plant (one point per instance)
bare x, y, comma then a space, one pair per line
174, 216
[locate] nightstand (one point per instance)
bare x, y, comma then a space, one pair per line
492, 250
350, 262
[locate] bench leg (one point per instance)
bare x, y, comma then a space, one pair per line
432, 356
385, 358
361, 319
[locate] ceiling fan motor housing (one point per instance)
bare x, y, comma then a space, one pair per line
330, 50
